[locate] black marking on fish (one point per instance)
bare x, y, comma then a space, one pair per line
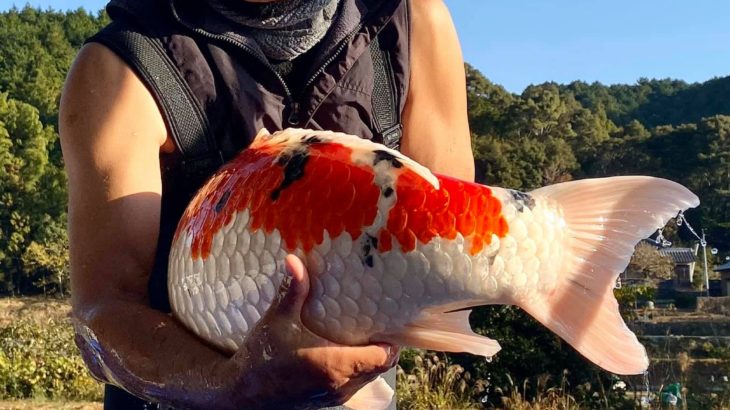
222, 202
293, 164
369, 244
522, 200
312, 139
382, 155
387, 192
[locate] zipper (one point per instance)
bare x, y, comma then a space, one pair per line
293, 118
294, 106
250, 51
294, 114
334, 55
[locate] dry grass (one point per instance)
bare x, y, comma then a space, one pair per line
46, 405
552, 398
435, 384
37, 309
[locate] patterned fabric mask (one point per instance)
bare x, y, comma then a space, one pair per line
284, 29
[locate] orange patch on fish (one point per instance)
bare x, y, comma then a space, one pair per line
284, 196
422, 213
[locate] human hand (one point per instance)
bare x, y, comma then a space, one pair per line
283, 364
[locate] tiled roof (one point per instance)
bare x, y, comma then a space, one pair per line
679, 255
723, 267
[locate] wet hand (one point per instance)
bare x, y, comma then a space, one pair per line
283, 364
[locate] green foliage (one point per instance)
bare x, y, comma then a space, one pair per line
31, 192
41, 361
548, 133
528, 350
36, 53
552, 133
629, 296
46, 263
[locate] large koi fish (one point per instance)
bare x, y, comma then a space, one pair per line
397, 254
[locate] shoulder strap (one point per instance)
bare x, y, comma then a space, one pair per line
185, 118
386, 112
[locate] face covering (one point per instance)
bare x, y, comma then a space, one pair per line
283, 29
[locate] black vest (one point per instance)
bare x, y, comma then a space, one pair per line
235, 91
216, 89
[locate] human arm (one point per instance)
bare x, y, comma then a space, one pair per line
111, 134
435, 123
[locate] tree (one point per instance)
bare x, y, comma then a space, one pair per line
25, 216
36, 53
649, 262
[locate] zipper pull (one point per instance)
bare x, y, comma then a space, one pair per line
294, 114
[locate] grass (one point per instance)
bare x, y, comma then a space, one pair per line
47, 405
37, 310
39, 360
35, 338
433, 383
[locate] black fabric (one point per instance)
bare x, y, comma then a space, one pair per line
118, 399
239, 92
297, 72
387, 118
186, 120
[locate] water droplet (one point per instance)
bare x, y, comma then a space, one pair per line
488, 359
485, 399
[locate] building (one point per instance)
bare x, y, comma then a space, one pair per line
684, 264
683, 260
724, 271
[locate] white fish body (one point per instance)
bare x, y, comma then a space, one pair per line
339, 202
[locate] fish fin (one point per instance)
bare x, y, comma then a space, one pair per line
263, 132
446, 332
376, 395
605, 218
262, 138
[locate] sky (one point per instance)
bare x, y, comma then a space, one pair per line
519, 42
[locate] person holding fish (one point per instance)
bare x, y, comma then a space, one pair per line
216, 72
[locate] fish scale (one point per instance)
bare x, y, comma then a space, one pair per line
423, 226
396, 254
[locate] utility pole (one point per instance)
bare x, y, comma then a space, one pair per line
704, 254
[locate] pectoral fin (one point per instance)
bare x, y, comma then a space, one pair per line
445, 332
375, 395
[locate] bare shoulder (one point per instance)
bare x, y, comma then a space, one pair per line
100, 90
427, 13
436, 129
111, 134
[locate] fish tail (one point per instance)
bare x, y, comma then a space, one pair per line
605, 218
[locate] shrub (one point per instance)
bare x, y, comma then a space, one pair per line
40, 360
629, 296
433, 383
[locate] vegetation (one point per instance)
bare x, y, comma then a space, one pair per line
650, 263
38, 357
546, 134
433, 383
36, 51
41, 360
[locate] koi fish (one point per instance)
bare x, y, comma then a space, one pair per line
398, 254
